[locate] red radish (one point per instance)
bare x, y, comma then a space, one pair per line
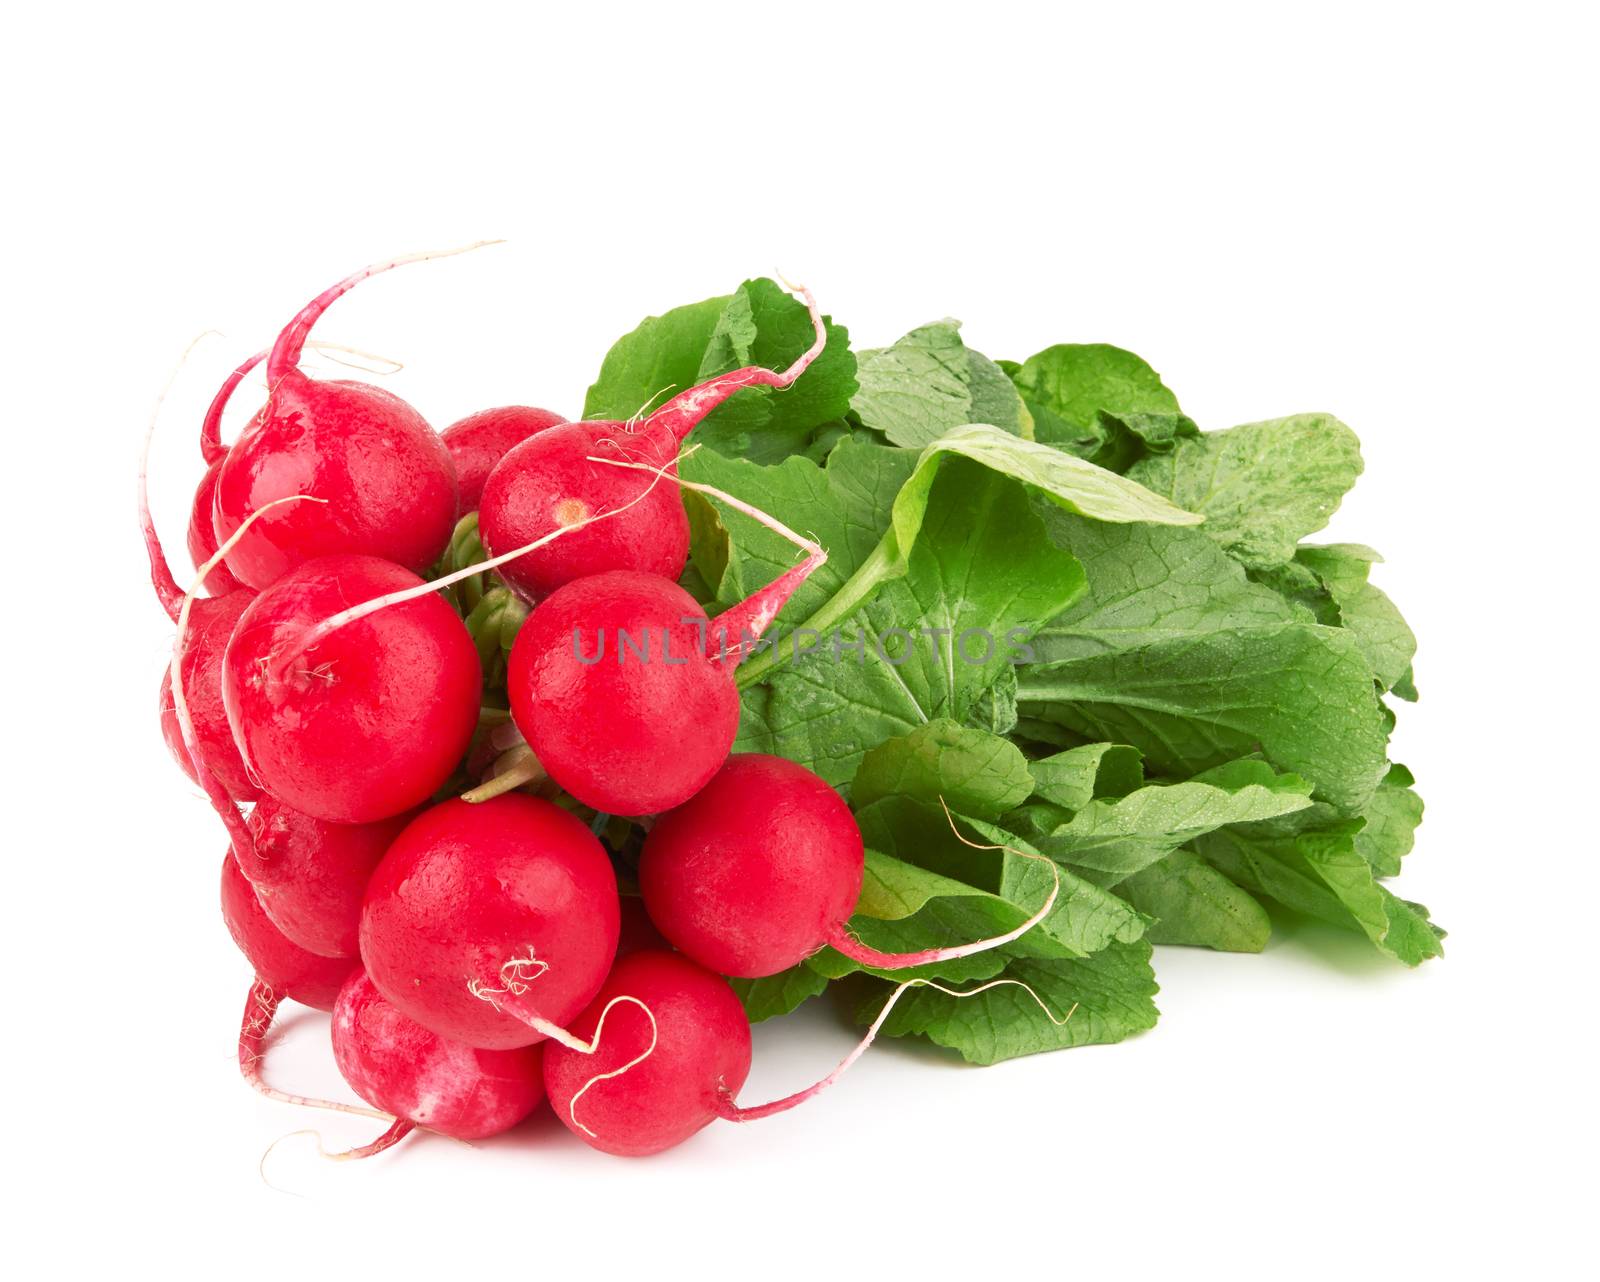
310, 875
387, 477
425, 1080
216, 794
702, 1049
624, 688
762, 867
481, 440
202, 538
625, 734
209, 624
260, 1007
558, 477
351, 721
202, 533
282, 969
491, 924
549, 482
651, 1083
282, 966
757, 870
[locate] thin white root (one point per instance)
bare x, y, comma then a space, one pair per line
515, 976
643, 411
161, 399
327, 349
397, 1131
572, 1106
809, 546
843, 941
734, 1113
166, 588
968, 950
1058, 1021
328, 1105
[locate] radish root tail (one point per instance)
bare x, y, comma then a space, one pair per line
730, 1111
291, 342
211, 447
167, 589
684, 412
748, 620
397, 1131
572, 1106
515, 976
260, 1006
840, 940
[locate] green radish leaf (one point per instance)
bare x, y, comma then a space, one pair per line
1319, 871
1392, 818
1060, 479
973, 772
1100, 403
995, 399
775, 995
844, 505
1190, 902
765, 325
1151, 583
1363, 610
996, 708
1111, 839
1262, 487
494, 623
931, 640
758, 324
1076, 382
917, 390
1301, 694
1073, 778
658, 358
918, 863
1110, 996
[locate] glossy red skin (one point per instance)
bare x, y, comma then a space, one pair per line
310, 875
479, 441
466, 888
756, 871
283, 966
387, 479
548, 482
211, 624
702, 1048
396, 1064
203, 537
372, 719
630, 737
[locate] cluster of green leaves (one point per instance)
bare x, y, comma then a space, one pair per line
1183, 707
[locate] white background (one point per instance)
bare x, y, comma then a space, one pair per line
1386, 213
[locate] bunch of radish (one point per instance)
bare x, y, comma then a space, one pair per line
427, 867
